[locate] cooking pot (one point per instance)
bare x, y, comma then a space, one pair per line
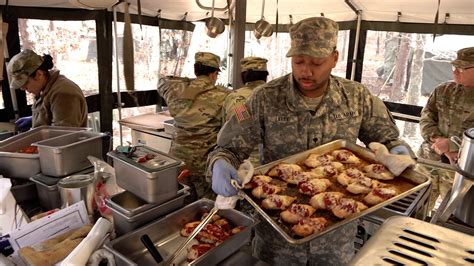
214, 27
465, 210
263, 28
75, 188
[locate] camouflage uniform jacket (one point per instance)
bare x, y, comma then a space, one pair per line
196, 106
277, 117
449, 112
239, 97
60, 103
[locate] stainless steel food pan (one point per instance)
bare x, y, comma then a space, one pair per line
165, 234
48, 192
131, 212
419, 181
169, 126
67, 154
155, 181
22, 165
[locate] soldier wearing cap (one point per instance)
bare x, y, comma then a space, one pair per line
58, 100
196, 106
447, 113
297, 112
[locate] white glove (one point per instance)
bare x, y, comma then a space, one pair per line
245, 173
395, 163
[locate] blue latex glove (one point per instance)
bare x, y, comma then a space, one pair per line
24, 123
222, 173
400, 150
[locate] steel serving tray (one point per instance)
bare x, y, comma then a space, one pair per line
419, 181
165, 234
154, 181
23, 165
408, 241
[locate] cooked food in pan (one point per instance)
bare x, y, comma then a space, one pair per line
307, 196
213, 234
29, 150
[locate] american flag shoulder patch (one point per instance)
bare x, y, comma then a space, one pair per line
241, 113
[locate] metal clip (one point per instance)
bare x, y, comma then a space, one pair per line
399, 14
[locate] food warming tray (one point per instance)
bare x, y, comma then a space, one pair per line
165, 234
22, 165
407, 241
419, 181
155, 180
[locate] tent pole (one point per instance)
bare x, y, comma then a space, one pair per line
356, 45
119, 98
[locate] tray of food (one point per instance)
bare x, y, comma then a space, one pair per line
311, 193
228, 231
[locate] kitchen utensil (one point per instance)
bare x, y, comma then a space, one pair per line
151, 248
460, 200
75, 188
410, 177
214, 26
263, 27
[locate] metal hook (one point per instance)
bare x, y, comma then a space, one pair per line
158, 13
291, 19
184, 17
399, 14
446, 17
322, 14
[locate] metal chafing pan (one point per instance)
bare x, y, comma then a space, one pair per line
418, 181
165, 234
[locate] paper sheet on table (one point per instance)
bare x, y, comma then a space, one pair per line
72, 217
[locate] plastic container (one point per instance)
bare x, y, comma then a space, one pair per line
67, 154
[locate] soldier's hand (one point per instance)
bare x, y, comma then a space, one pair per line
222, 173
440, 145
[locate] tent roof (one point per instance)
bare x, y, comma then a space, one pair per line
418, 11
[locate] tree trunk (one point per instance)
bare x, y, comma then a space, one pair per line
399, 74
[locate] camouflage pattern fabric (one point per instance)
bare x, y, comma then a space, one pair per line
253, 63
237, 98
333, 248
207, 59
315, 37
465, 58
21, 66
447, 113
61, 103
196, 106
279, 118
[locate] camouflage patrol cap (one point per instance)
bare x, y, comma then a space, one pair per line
21, 66
315, 37
253, 63
207, 59
465, 58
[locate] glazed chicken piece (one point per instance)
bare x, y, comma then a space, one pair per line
325, 200
346, 207
188, 228
380, 194
345, 156
355, 181
223, 223
212, 234
266, 190
296, 212
308, 226
378, 171
315, 160
314, 186
237, 230
277, 202
285, 171
198, 250
257, 180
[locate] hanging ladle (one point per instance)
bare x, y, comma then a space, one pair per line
214, 26
263, 27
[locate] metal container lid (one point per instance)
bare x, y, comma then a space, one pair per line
470, 133
45, 180
159, 162
76, 181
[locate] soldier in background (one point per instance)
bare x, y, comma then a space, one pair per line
196, 106
254, 73
448, 113
296, 112
58, 100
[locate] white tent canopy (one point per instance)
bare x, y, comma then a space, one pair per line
413, 11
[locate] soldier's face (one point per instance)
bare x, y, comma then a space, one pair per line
464, 76
312, 73
35, 83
